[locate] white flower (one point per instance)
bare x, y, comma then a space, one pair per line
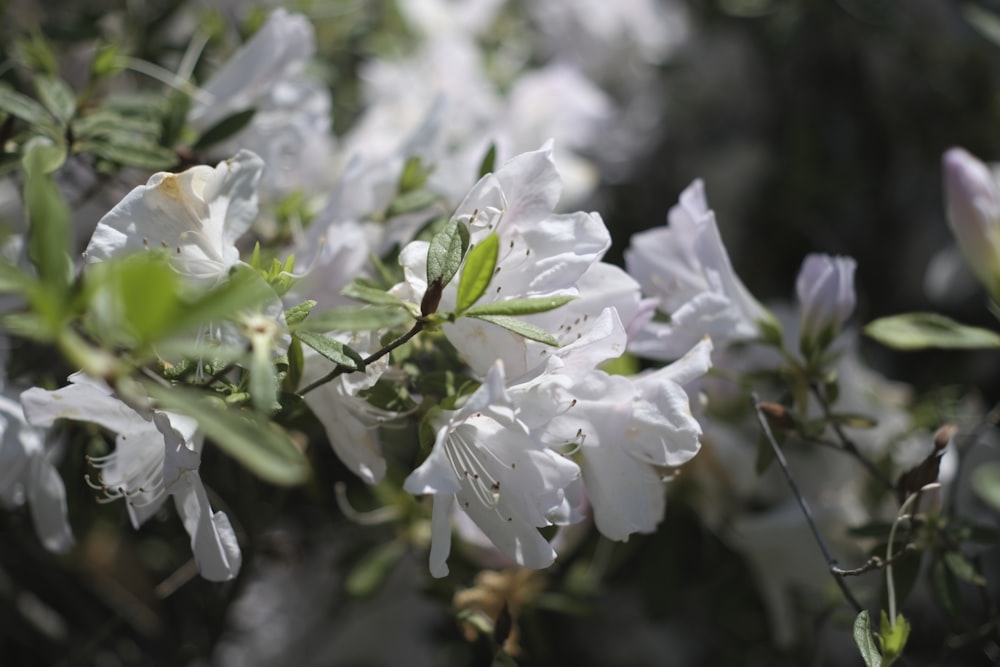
290, 128
541, 254
972, 196
156, 455
485, 461
280, 48
351, 422
27, 475
825, 288
627, 430
196, 216
686, 267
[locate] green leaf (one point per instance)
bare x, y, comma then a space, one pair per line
892, 638
520, 327
37, 53
627, 364
296, 314
983, 20
865, 641
945, 589
263, 376
411, 202
986, 483
915, 331
519, 306
13, 279
57, 97
361, 292
356, 318
334, 350
765, 455
105, 62
479, 265
49, 232
963, 568
131, 301
486, 166
263, 447
23, 107
414, 175
372, 568
243, 290
120, 150
225, 128
445, 252
174, 118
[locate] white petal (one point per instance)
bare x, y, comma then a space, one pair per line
47, 499
213, 542
441, 534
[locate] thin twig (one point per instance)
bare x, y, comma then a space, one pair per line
340, 370
847, 443
874, 563
827, 554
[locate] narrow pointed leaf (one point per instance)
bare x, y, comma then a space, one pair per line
362, 292
986, 483
334, 350
915, 331
356, 318
243, 290
865, 641
264, 448
23, 107
488, 162
521, 328
519, 306
57, 97
225, 128
478, 271
49, 231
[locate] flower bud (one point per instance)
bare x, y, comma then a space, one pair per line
972, 204
825, 287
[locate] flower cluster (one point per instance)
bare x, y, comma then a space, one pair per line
418, 292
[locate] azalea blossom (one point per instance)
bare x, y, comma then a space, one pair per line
686, 268
972, 196
157, 454
541, 254
281, 47
290, 127
625, 431
486, 463
351, 423
825, 288
196, 216
28, 476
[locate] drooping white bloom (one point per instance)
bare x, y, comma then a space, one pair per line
156, 455
196, 216
485, 461
825, 288
351, 423
541, 254
686, 267
27, 476
972, 198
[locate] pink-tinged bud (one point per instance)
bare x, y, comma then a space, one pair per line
972, 201
825, 287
